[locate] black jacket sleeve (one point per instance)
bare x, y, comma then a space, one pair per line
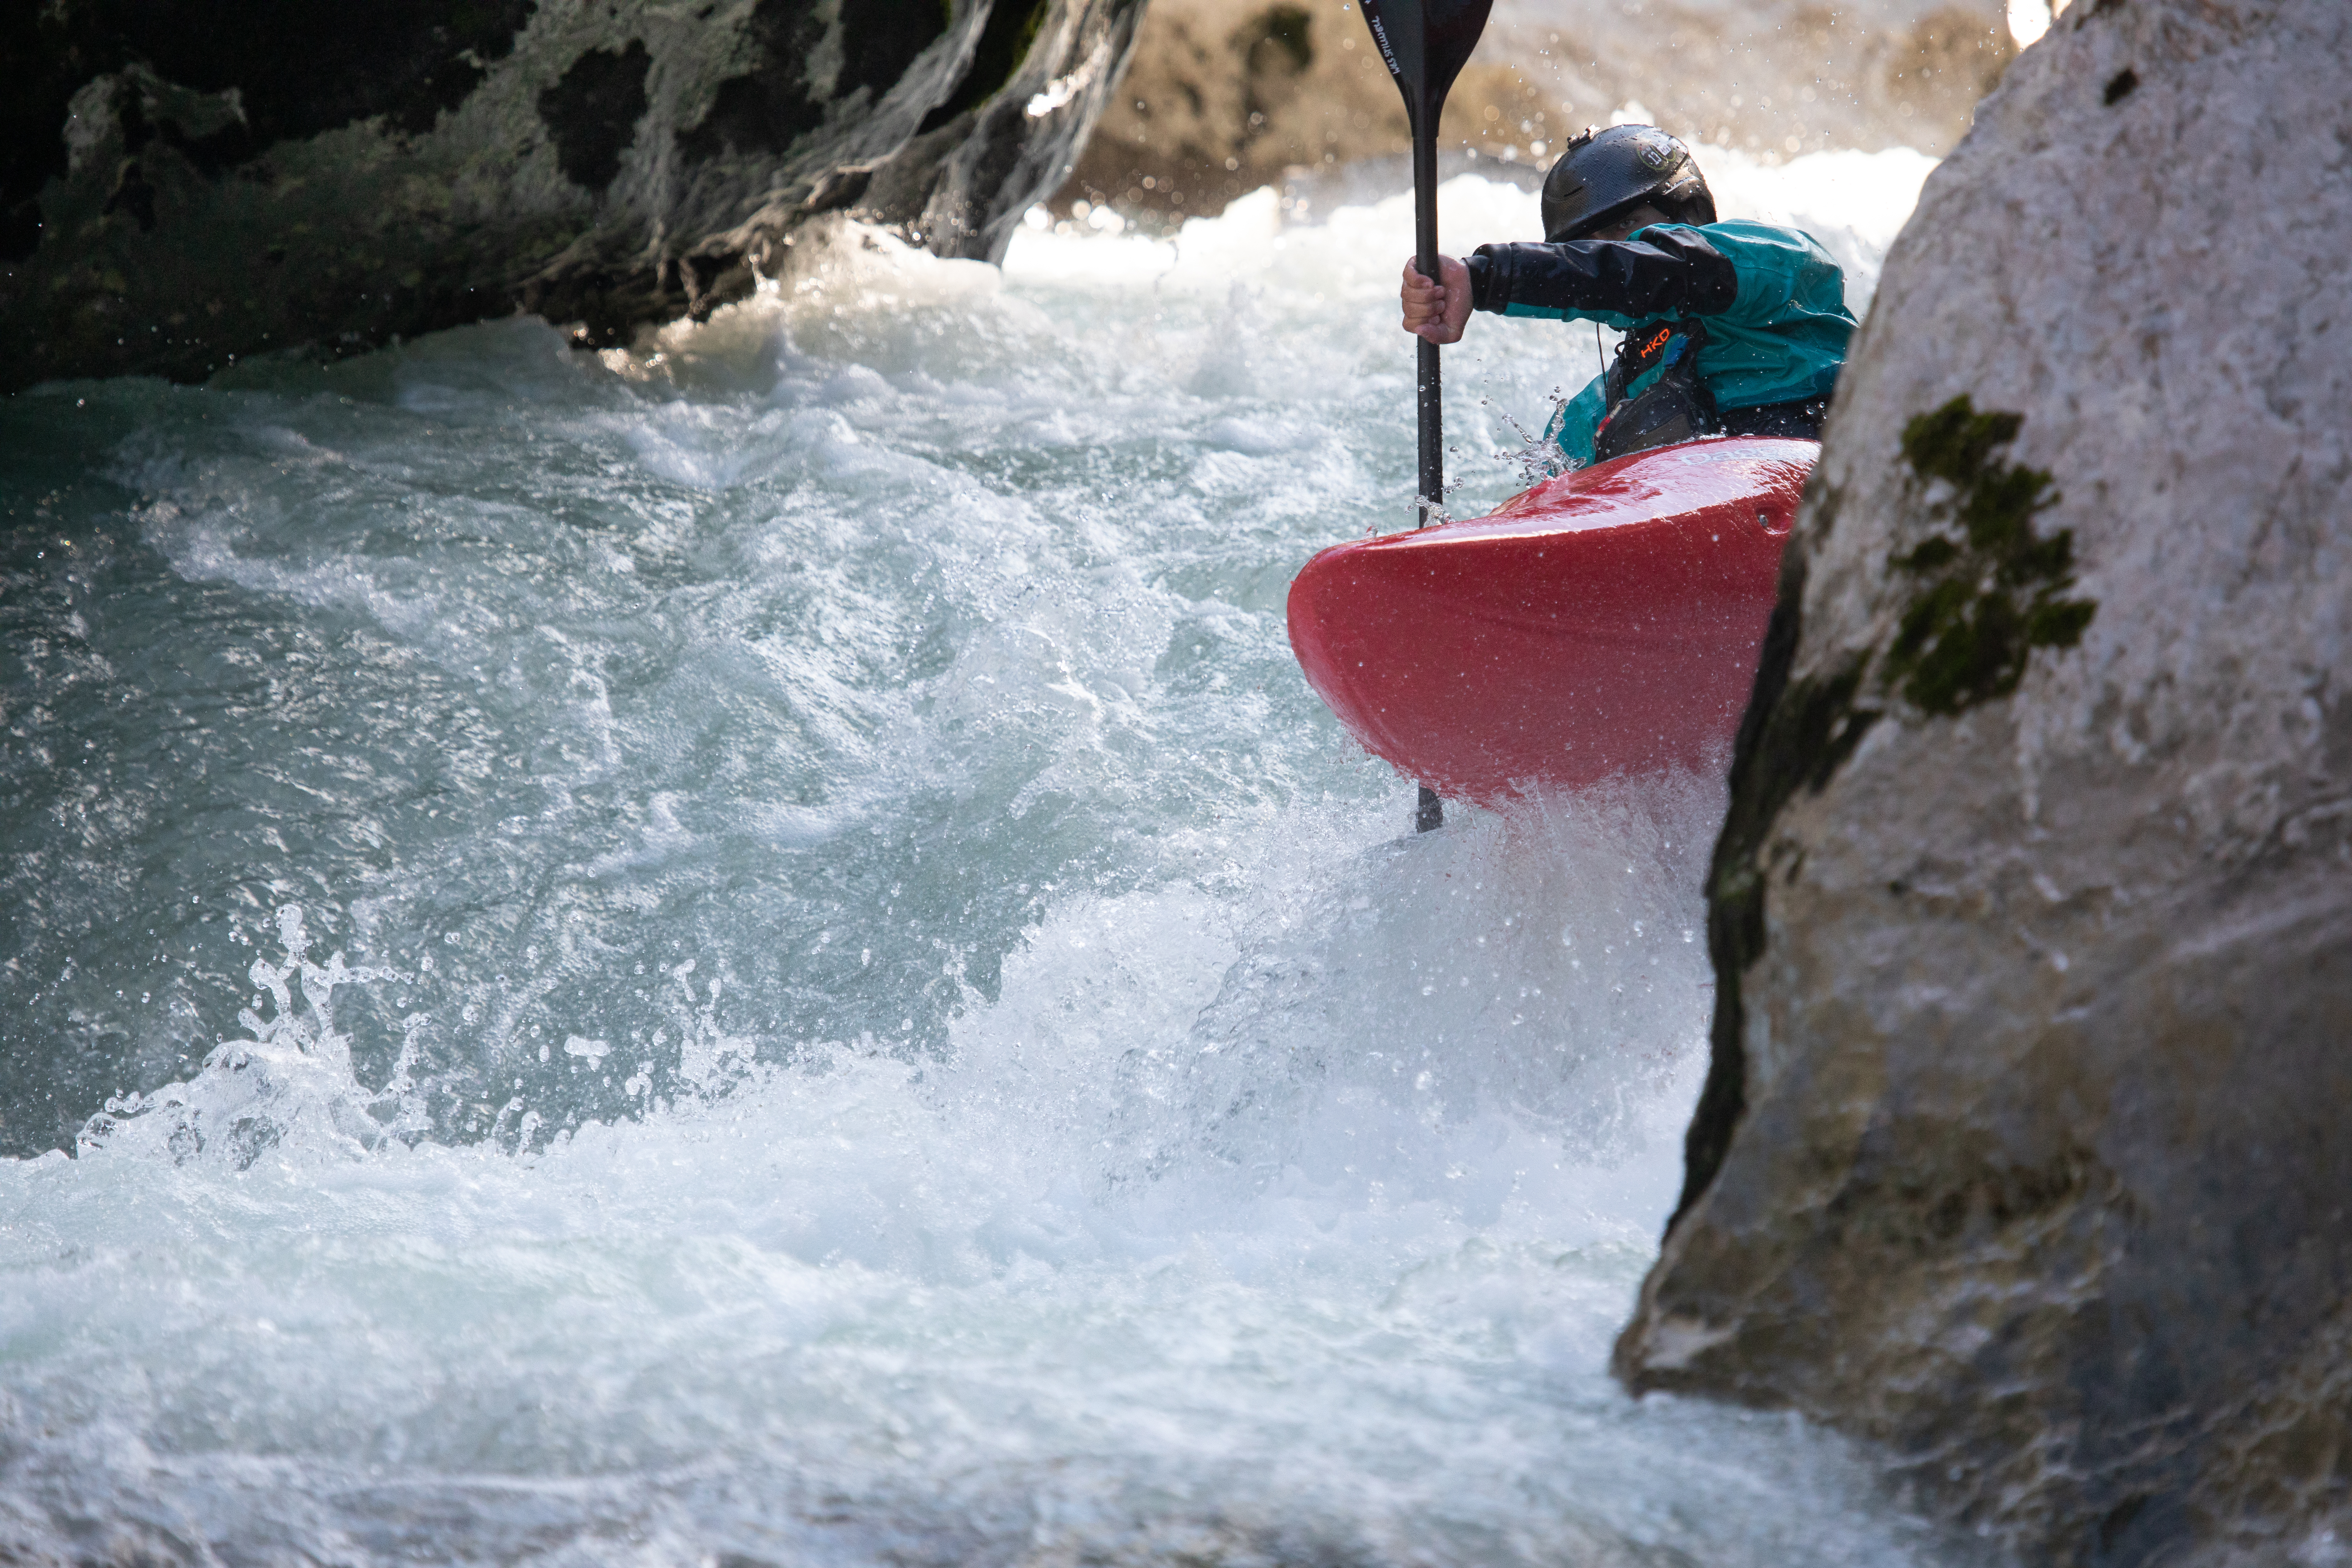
1665, 272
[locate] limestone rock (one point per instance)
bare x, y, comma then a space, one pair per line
1224, 96
2024, 1146
182, 185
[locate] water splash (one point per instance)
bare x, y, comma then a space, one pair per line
1398, 1031
286, 1087
1537, 457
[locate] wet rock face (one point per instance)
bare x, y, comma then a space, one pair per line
179, 186
2024, 1146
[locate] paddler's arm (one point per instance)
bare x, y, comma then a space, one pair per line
1670, 269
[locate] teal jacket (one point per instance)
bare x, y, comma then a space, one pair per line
1773, 301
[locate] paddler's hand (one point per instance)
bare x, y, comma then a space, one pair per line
1438, 310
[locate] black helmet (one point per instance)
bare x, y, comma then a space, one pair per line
1602, 173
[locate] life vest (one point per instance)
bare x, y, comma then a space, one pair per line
1676, 407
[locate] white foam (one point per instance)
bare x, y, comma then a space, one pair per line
1308, 1212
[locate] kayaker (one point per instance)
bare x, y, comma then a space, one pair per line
1738, 328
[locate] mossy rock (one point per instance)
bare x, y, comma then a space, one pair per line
1991, 589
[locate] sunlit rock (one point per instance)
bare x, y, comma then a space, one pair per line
2024, 1148
1226, 95
182, 189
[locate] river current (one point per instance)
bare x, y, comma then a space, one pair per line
752, 951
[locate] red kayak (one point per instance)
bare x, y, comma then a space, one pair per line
1604, 623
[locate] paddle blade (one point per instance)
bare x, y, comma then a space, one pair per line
1426, 43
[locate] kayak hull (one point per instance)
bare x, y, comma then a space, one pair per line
1605, 623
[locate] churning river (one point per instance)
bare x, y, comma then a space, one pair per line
752, 951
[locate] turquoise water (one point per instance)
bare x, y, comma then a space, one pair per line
751, 951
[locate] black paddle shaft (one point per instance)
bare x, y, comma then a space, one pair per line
1426, 43
1429, 403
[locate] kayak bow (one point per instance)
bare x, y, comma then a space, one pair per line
1604, 623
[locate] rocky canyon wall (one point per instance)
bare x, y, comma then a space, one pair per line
1228, 95
182, 184
2024, 1147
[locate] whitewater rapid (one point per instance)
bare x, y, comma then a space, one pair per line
751, 951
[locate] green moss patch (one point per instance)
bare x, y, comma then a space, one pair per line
1991, 590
